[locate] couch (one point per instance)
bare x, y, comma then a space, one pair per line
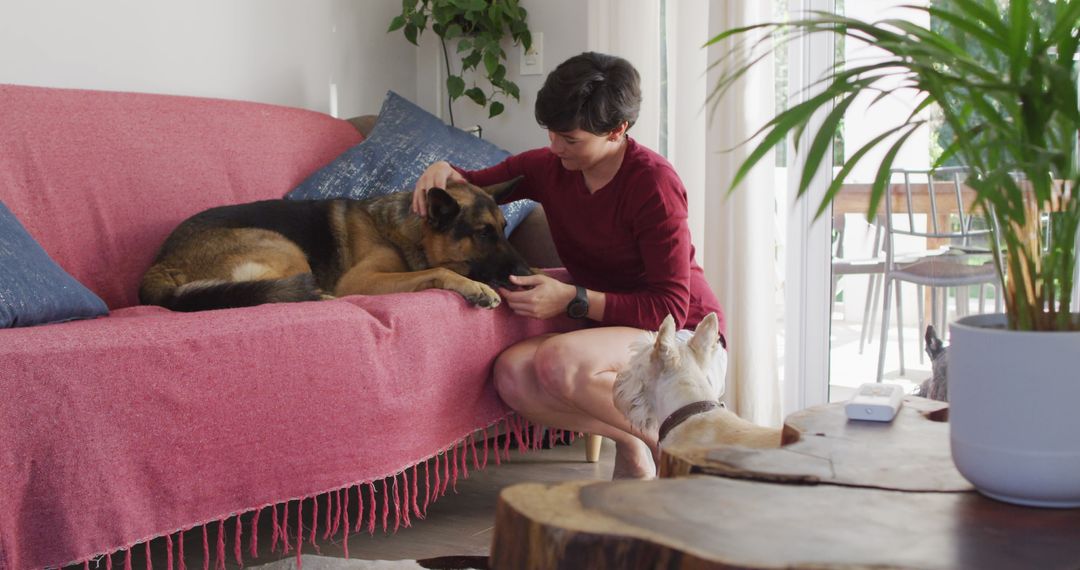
144, 424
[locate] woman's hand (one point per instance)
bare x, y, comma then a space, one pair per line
435, 176
543, 298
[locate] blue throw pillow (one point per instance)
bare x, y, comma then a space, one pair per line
404, 141
33, 288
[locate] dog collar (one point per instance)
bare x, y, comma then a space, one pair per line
684, 413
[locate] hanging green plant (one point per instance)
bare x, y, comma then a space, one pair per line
479, 26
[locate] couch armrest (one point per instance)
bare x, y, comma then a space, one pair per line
364, 123
532, 238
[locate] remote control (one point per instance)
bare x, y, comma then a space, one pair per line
875, 402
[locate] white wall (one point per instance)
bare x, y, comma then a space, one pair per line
283, 52
273, 51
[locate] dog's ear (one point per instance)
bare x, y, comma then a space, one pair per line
934, 346
442, 209
665, 348
502, 190
706, 336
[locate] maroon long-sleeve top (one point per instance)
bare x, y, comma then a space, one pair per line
629, 239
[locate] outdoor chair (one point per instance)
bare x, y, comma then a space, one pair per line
871, 265
957, 251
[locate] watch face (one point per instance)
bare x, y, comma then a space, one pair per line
579, 306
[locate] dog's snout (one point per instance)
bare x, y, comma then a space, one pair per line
521, 268
497, 272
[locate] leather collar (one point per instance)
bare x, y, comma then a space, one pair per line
684, 413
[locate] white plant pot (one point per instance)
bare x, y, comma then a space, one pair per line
1014, 411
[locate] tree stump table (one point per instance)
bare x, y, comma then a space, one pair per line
837, 494
820, 445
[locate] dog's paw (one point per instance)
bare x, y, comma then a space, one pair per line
483, 296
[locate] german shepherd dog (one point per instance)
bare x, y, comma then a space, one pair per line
277, 251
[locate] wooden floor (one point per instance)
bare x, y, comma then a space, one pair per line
462, 524
457, 524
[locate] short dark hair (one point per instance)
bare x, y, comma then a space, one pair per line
594, 92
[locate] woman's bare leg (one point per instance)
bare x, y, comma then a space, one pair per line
566, 381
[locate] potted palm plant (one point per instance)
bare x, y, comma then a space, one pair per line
1014, 379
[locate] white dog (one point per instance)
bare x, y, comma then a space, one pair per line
665, 391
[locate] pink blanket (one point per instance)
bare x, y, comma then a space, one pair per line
148, 422
100, 178
137, 426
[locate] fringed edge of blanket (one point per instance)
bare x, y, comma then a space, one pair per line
391, 503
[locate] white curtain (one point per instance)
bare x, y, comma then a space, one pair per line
735, 236
630, 30
740, 236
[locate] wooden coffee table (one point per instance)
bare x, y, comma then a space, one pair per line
837, 494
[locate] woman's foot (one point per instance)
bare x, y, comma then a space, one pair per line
633, 460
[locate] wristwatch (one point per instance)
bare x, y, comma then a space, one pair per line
578, 307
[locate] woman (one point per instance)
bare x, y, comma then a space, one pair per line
618, 217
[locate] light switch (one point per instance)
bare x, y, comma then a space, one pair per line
532, 61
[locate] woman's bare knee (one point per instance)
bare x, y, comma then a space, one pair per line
514, 376
556, 368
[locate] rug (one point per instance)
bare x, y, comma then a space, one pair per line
312, 562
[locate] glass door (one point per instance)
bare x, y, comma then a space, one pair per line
858, 241
805, 257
